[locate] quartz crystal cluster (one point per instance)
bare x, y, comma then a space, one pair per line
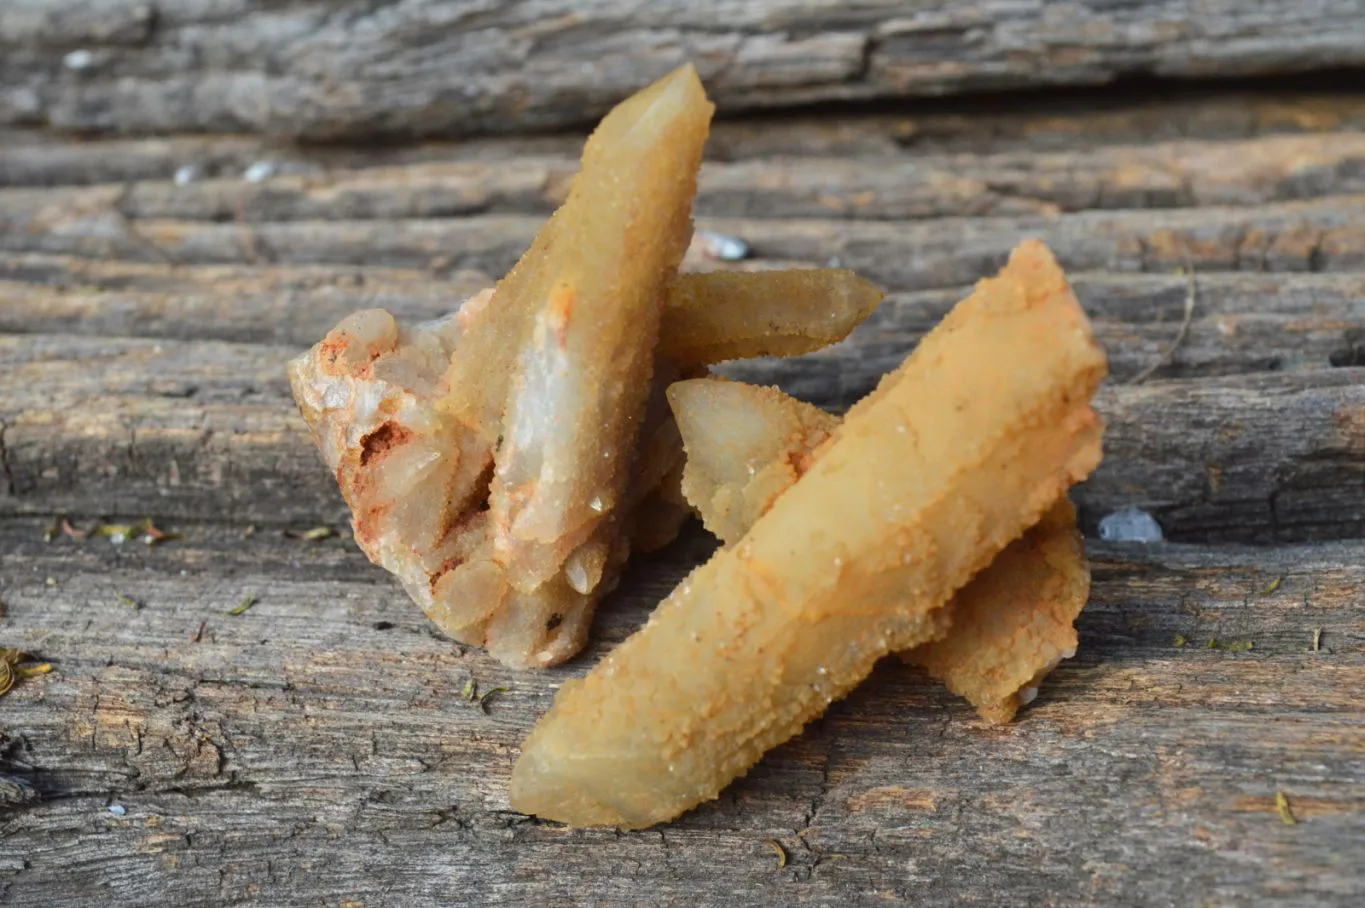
502, 461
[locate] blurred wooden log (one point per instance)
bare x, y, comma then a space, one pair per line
894, 186
356, 69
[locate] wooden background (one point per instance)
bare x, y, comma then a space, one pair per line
315, 750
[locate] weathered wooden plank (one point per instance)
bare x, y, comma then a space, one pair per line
315, 69
207, 429
969, 126
1319, 235
1243, 322
316, 749
1260, 458
871, 187
271, 304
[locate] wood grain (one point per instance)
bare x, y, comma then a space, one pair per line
1243, 322
253, 764
1319, 235
903, 185
1075, 124
325, 70
202, 429
315, 750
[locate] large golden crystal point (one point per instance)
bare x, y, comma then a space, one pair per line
955, 454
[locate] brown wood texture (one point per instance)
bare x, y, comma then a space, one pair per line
315, 750
367, 68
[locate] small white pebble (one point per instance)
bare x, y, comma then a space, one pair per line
1130, 525
1027, 695
260, 171
78, 60
117, 810
187, 174
834, 262
722, 247
51, 581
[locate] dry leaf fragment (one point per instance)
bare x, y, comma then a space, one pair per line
116, 533
240, 608
70, 531
488, 695
154, 535
1284, 810
16, 664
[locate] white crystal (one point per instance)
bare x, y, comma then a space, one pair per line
78, 60
1130, 525
260, 171
187, 174
722, 247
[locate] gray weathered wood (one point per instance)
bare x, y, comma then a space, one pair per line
429, 67
1319, 235
904, 185
1243, 322
315, 750
207, 429
36, 158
